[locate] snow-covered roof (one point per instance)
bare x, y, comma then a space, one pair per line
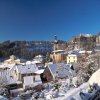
39, 71
36, 61
73, 55
28, 62
9, 66
3, 98
39, 56
62, 69
11, 80
56, 51
30, 68
84, 51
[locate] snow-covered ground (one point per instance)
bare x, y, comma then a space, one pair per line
72, 93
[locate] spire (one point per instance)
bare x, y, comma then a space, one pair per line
55, 39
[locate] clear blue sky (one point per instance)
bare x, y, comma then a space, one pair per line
41, 19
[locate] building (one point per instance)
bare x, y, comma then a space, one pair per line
20, 71
13, 60
58, 56
85, 41
73, 57
98, 39
28, 74
53, 72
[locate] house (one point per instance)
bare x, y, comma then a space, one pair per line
57, 71
14, 60
19, 71
29, 74
73, 57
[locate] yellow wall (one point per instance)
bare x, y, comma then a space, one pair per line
58, 57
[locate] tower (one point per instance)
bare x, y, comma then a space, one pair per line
55, 43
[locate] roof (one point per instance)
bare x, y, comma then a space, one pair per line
39, 71
36, 61
58, 51
74, 53
3, 98
62, 69
11, 80
84, 51
9, 66
30, 68
28, 62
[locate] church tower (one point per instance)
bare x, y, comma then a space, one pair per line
55, 43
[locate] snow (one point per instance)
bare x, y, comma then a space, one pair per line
4, 65
57, 51
39, 71
84, 51
63, 70
28, 62
95, 78
3, 98
23, 69
36, 61
74, 93
11, 80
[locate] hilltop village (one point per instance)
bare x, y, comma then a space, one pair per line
51, 70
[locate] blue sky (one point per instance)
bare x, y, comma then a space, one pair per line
41, 19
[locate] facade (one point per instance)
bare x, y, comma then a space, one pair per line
58, 56
72, 58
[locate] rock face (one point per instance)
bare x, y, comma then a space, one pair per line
95, 78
